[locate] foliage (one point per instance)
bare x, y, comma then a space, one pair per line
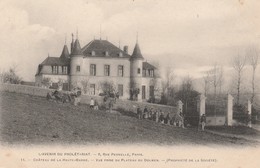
46, 82
85, 85
11, 76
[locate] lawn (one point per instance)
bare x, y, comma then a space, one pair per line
28, 120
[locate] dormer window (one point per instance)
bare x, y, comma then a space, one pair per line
120, 54
93, 53
106, 53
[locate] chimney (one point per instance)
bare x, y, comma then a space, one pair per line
126, 49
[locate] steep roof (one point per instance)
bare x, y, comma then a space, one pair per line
65, 52
137, 52
55, 61
76, 48
100, 47
146, 65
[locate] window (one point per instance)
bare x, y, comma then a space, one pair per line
120, 70
121, 90
151, 91
93, 69
151, 73
64, 70
107, 70
78, 68
138, 70
55, 69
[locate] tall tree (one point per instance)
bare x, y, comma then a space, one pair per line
238, 64
253, 55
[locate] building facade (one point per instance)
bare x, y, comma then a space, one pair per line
98, 67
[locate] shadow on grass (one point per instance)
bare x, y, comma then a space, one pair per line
237, 130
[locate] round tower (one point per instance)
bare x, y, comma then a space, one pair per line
136, 67
76, 64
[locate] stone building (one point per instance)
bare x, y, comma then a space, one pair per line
99, 66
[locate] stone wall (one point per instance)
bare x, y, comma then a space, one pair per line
30, 90
126, 105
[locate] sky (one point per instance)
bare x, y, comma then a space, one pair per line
189, 36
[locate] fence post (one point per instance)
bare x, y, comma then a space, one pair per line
229, 118
180, 105
202, 104
249, 106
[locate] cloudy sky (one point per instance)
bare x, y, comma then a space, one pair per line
189, 36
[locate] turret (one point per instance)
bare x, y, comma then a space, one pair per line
136, 65
76, 64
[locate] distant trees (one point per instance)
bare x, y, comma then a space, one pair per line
238, 63
187, 94
11, 76
168, 89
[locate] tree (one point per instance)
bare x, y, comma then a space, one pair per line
11, 76
187, 94
168, 90
46, 82
207, 81
253, 56
107, 87
238, 64
85, 85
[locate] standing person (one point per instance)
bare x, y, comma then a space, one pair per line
92, 103
156, 116
145, 115
139, 113
167, 119
203, 121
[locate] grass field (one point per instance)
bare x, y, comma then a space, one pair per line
28, 120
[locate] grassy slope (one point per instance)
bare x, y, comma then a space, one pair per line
34, 120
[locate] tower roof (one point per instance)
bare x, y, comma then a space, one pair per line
76, 48
65, 52
101, 47
137, 52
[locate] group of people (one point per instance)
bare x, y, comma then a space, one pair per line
160, 117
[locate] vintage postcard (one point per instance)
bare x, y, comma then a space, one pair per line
129, 83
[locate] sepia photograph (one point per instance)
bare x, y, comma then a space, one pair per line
129, 83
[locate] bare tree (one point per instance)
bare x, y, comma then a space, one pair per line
238, 64
253, 56
207, 81
168, 85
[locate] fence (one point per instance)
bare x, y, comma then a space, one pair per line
126, 105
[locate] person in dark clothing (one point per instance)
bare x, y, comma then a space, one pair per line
203, 121
167, 119
161, 118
